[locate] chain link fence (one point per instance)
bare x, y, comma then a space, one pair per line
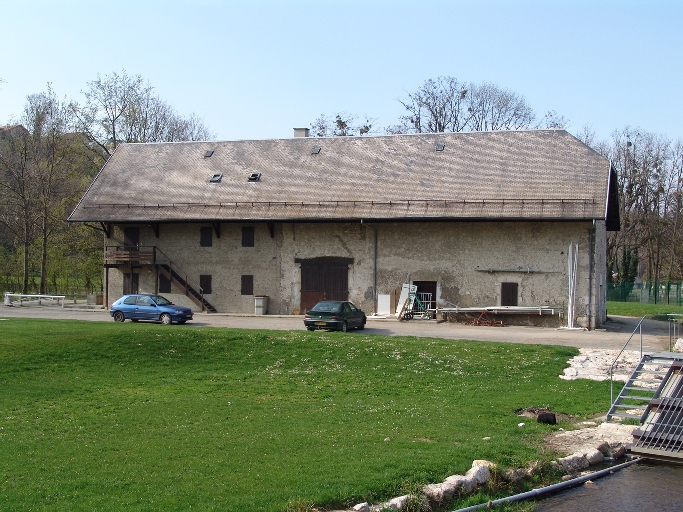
647, 292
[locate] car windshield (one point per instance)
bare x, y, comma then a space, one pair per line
327, 307
161, 301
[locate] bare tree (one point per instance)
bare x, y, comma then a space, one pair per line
447, 105
341, 124
553, 121
121, 108
17, 190
436, 106
54, 157
492, 108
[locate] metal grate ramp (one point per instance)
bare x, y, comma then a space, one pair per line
644, 385
661, 435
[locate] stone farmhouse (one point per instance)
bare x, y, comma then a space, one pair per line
472, 219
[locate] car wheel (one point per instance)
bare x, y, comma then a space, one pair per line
165, 319
118, 317
310, 328
344, 327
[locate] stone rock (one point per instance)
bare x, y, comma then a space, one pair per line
618, 451
556, 466
485, 463
547, 417
604, 449
362, 507
480, 474
439, 492
678, 347
467, 484
398, 503
573, 463
594, 457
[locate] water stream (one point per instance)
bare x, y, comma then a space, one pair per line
643, 487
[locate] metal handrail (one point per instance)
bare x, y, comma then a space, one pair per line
181, 274
153, 250
611, 368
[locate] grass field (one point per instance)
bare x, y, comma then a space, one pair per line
105, 416
639, 310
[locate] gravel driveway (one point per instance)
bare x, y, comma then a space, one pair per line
612, 337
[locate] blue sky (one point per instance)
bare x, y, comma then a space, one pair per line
257, 69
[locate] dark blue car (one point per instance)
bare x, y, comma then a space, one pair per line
149, 307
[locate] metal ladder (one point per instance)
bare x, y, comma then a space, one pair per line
644, 385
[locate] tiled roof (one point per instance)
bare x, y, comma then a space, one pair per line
544, 174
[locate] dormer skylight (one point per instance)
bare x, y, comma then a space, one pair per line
254, 176
208, 153
440, 147
315, 150
216, 178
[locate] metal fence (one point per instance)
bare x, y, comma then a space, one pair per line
647, 292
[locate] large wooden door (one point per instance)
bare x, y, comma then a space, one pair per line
323, 279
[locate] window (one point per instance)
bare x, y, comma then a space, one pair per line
508, 294
164, 284
131, 239
205, 283
248, 236
206, 237
130, 301
247, 285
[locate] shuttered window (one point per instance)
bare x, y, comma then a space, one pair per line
205, 283
164, 284
248, 236
206, 237
508, 294
247, 285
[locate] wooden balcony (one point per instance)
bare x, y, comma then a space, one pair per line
117, 255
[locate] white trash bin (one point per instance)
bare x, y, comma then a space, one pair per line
260, 304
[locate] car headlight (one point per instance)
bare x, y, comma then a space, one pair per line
178, 312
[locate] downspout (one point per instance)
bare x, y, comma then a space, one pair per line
374, 267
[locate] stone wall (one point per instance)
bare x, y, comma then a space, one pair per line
467, 260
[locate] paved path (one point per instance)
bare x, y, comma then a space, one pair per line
613, 336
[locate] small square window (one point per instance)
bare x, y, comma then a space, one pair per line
247, 285
206, 236
509, 293
248, 236
205, 283
164, 284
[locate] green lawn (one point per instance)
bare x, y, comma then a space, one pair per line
639, 310
105, 416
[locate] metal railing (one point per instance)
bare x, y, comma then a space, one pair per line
21, 297
152, 255
177, 270
639, 328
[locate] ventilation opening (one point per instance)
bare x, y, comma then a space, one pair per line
254, 176
216, 178
315, 151
208, 153
440, 147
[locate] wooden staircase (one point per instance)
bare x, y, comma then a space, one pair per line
196, 295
